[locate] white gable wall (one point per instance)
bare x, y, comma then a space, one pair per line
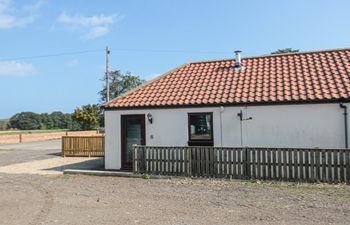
308, 125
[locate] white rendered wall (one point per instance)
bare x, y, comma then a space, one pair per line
311, 125
112, 140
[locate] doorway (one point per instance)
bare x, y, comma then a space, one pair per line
132, 132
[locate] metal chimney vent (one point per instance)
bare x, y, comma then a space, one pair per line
238, 59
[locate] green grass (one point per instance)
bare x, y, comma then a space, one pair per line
146, 176
7, 132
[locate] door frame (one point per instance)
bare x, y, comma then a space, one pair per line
128, 165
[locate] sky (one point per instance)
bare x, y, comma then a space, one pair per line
52, 52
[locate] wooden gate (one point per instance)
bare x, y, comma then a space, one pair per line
89, 146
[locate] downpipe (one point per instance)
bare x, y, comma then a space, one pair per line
222, 109
345, 108
241, 119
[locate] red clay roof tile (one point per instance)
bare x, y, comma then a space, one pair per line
308, 76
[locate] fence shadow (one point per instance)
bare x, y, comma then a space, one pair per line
55, 154
93, 164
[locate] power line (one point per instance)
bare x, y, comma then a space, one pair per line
115, 50
179, 51
52, 55
171, 51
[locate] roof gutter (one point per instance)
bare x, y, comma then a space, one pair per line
238, 104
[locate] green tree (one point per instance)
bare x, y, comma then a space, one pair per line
61, 120
56, 120
68, 120
284, 50
4, 124
46, 121
88, 115
101, 120
75, 125
25, 121
119, 84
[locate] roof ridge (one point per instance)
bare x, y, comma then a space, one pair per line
273, 55
145, 84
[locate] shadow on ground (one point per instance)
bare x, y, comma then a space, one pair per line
55, 154
93, 164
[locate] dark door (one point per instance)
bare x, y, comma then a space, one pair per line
133, 132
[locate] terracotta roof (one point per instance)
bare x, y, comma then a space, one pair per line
295, 77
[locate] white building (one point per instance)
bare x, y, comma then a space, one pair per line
287, 100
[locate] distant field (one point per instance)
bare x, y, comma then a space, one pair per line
7, 132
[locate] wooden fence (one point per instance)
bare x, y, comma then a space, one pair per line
30, 137
286, 164
91, 146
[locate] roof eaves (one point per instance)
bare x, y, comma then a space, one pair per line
236, 104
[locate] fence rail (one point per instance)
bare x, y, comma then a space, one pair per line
30, 137
287, 164
91, 146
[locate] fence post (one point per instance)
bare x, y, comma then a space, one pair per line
63, 152
245, 175
347, 160
247, 163
134, 158
189, 161
215, 162
144, 163
20, 138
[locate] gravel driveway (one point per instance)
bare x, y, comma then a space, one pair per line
88, 200
34, 198
25, 152
41, 158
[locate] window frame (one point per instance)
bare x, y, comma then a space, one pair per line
204, 142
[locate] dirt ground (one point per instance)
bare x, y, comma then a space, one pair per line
34, 198
88, 200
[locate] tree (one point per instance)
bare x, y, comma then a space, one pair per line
119, 84
284, 50
75, 125
61, 120
25, 121
4, 124
46, 121
57, 120
43, 121
67, 121
88, 115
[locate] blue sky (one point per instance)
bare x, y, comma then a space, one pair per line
191, 29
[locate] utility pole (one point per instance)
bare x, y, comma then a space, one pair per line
107, 73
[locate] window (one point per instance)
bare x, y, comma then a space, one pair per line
200, 129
